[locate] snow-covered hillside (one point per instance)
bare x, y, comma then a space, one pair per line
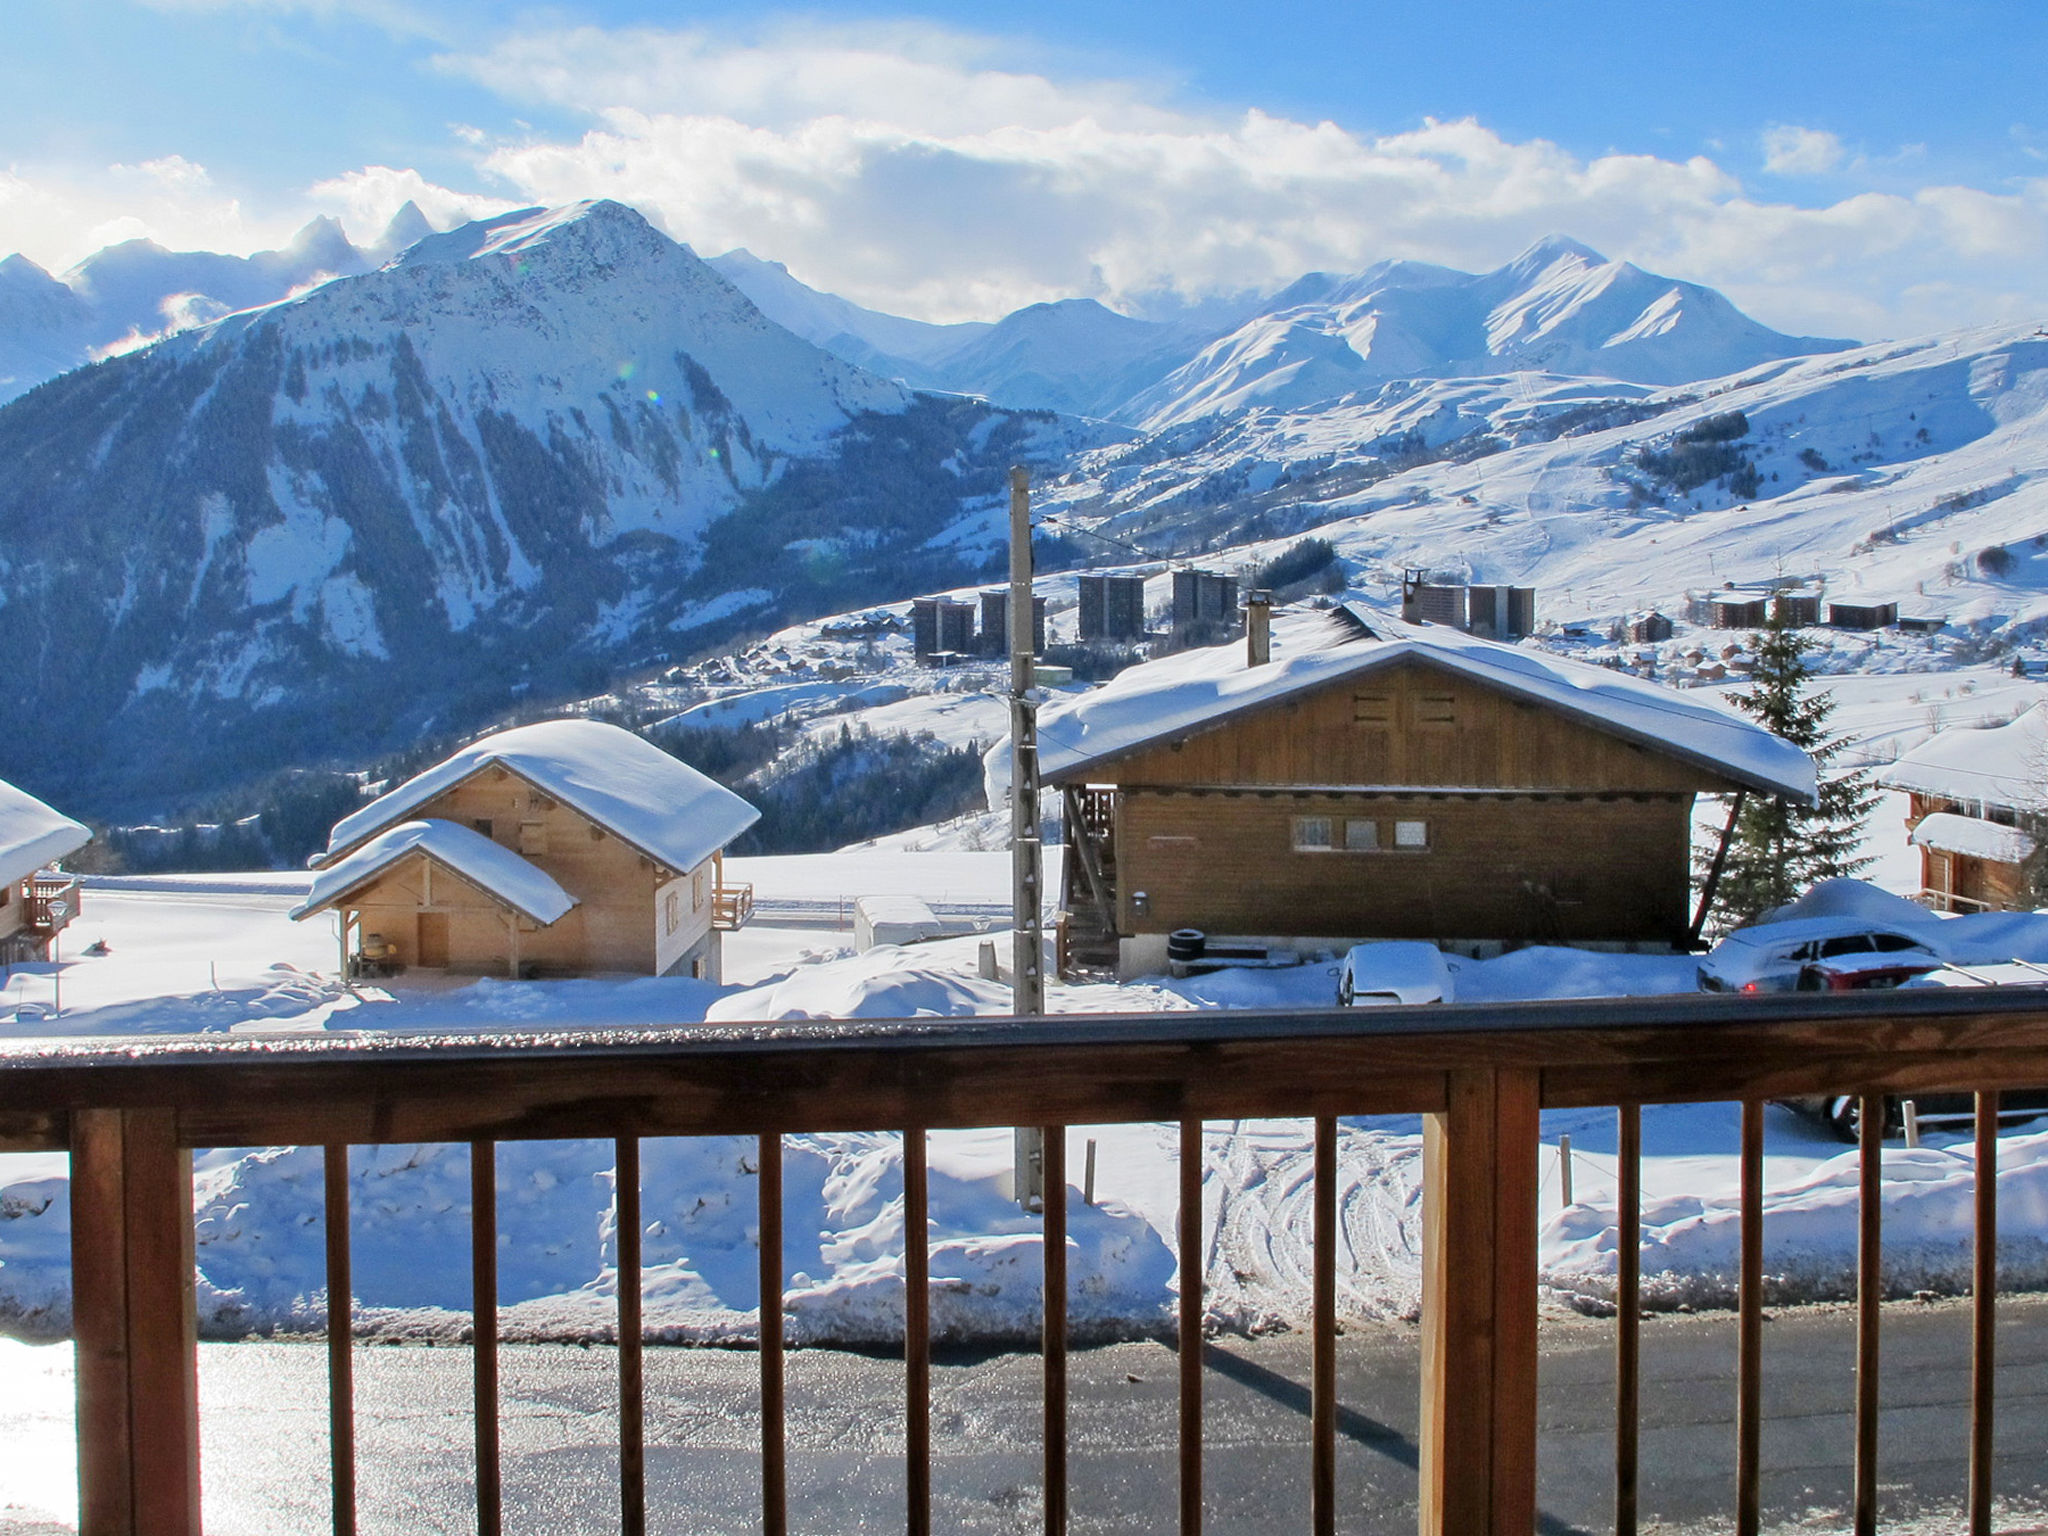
1914, 473
511, 453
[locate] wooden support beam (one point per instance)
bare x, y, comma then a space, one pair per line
1479, 1307
136, 1328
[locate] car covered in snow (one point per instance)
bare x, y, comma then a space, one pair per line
1392, 972
1771, 957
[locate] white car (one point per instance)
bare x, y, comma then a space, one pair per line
1392, 972
1769, 957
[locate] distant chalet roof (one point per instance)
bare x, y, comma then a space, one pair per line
493, 869
2004, 765
32, 835
1947, 832
1193, 690
662, 807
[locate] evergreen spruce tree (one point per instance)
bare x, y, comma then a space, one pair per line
1781, 848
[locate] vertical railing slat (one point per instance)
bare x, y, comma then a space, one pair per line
1054, 1141
1984, 1315
1628, 1316
341, 1364
99, 1311
1192, 1260
1323, 1369
1750, 1329
632, 1366
483, 1279
1869, 1294
774, 1441
917, 1335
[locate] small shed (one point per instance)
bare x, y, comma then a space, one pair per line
893, 920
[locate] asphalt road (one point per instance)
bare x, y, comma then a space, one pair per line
264, 1432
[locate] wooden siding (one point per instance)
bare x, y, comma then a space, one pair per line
616, 927
1412, 725
1612, 869
14, 912
1971, 883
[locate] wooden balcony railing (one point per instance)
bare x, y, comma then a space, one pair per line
52, 902
132, 1112
731, 907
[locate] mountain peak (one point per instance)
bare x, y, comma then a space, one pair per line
528, 229
408, 227
1552, 249
322, 240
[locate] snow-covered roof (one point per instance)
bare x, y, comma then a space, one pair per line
1950, 833
1198, 688
488, 866
32, 835
2000, 765
634, 790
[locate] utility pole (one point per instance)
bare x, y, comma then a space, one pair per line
1027, 857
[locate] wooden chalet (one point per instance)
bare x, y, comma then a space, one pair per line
37, 898
1972, 798
1350, 776
564, 848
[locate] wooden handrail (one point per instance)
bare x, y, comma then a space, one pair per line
132, 1111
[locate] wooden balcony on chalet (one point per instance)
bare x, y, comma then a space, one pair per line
731, 907
131, 1113
52, 902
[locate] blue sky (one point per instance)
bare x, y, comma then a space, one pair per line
1869, 167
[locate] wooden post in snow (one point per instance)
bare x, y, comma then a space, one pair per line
1027, 858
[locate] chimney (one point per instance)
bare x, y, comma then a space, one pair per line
1258, 628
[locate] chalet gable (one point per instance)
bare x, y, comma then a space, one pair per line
662, 808
1356, 699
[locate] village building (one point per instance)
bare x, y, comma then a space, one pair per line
1972, 798
37, 898
1350, 776
564, 848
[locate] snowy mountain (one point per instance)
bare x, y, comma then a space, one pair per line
886, 344
45, 327
1557, 308
1074, 356
1914, 473
521, 455
135, 291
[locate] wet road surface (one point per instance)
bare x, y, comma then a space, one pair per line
264, 1430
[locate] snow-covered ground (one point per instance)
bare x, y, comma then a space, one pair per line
217, 953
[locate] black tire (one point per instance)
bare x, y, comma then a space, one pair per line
1845, 1118
1186, 944
1344, 993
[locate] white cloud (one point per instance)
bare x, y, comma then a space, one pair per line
1794, 151
908, 169
921, 171
57, 216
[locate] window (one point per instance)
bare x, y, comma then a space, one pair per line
533, 838
1372, 709
1411, 834
697, 891
482, 826
672, 911
1312, 834
1361, 836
